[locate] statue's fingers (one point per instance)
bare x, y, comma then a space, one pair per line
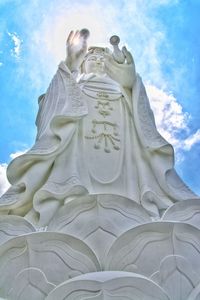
76, 34
75, 37
70, 36
128, 55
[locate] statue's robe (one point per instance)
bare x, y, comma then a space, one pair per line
63, 163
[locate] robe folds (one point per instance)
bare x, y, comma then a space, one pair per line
73, 155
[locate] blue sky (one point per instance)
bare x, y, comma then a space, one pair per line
163, 36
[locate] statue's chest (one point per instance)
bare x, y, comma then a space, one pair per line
104, 121
103, 132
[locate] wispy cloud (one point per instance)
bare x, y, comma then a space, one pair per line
171, 121
17, 42
191, 140
4, 184
16, 154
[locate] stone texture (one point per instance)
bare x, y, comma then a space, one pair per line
107, 286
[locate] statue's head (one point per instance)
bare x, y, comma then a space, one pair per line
94, 61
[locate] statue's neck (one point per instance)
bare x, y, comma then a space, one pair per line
94, 81
91, 77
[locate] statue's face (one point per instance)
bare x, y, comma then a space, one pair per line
94, 64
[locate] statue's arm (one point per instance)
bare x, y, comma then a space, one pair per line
63, 95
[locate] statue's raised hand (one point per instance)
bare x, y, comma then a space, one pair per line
76, 48
124, 73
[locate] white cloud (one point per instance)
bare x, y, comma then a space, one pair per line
164, 2
4, 184
191, 140
17, 44
169, 113
171, 121
1, 64
16, 154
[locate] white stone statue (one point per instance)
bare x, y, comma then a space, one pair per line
94, 209
96, 135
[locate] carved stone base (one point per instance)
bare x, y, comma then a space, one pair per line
102, 247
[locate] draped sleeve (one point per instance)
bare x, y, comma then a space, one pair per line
59, 110
63, 97
158, 152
